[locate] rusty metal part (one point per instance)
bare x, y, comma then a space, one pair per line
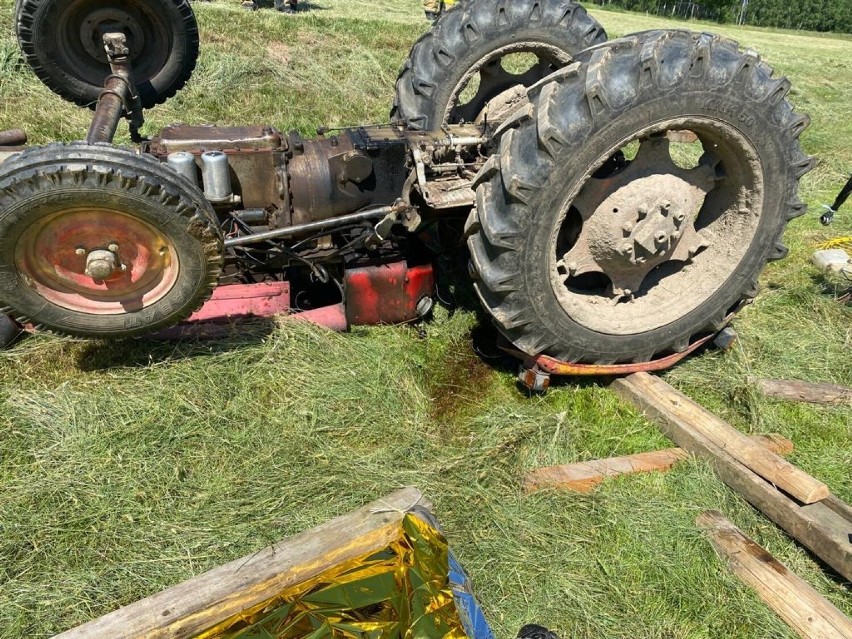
533, 367
13, 137
255, 156
119, 95
346, 172
311, 227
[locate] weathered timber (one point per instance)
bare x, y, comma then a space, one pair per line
585, 476
797, 391
807, 612
678, 412
816, 526
185, 610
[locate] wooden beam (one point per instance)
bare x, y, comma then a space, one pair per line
679, 412
583, 477
797, 391
807, 612
186, 610
823, 527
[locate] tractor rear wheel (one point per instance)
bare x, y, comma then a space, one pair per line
96, 241
62, 42
481, 49
632, 209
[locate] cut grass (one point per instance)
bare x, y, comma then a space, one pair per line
128, 468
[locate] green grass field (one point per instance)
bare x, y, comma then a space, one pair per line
128, 468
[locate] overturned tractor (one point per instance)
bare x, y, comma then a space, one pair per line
616, 201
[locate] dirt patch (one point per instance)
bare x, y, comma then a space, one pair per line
279, 53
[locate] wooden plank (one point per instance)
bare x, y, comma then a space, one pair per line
585, 476
185, 610
807, 612
676, 409
824, 541
797, 391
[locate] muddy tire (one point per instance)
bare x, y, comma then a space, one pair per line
579, 256
96, 241
60, 40
471, 38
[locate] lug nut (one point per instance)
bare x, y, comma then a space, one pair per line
628, 228
80, 251
679, 218
113, 247
660, 237
643, 213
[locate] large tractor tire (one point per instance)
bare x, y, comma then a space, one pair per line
632, 205
480, 49
97, 241
62, 42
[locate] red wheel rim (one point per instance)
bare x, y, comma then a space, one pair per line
52, 256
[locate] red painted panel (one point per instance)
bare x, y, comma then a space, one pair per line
386, 294
235, 301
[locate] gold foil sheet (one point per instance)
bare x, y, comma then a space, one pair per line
401, 592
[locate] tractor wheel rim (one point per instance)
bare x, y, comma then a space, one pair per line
57, 255
488, 79
642, 244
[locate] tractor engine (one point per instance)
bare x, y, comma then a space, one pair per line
331, 196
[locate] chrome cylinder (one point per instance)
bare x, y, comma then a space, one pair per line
183, 163
216, 172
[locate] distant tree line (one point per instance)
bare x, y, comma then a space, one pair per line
812, 15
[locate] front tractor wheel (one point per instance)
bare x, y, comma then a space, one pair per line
632, 210
96, 241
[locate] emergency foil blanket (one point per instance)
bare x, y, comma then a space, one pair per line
403, 591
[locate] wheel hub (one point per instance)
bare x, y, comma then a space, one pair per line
639, 226
638, 218
101, 265
101, 21
97, 261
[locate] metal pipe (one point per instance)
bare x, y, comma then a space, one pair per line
216, 171
13, 137
109, 110
322, 225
